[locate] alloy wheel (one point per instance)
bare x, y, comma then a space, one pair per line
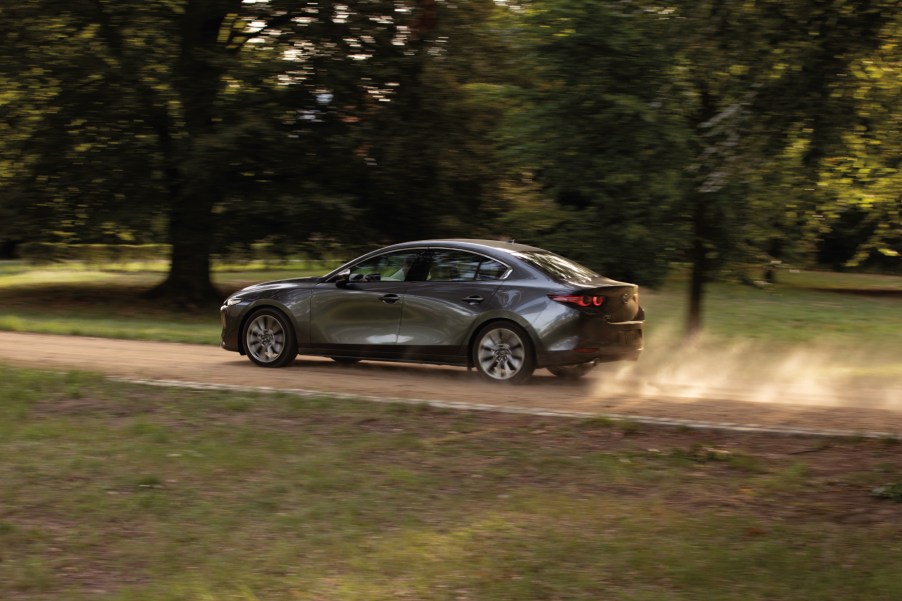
268, 340
502, 354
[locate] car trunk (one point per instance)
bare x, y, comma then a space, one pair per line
621, 300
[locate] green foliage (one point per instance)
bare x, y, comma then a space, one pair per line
94, 254
596, 128
626, 135
862, 175
892, 492
428, 159
704, 132
210, 124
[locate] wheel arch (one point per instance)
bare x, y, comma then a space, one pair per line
265, 303
482, 325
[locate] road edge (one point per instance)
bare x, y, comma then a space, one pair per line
464, 406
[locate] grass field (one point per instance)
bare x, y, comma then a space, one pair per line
115, 492
89, 302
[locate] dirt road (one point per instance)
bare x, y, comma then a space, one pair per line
211, 365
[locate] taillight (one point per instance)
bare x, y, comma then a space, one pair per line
579, 300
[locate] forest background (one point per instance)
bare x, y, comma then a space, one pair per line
631, 135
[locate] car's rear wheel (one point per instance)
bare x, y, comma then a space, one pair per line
502, 352
572, 372
269, 339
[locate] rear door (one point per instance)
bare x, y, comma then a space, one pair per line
457, 287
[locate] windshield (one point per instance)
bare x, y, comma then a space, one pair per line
558, 267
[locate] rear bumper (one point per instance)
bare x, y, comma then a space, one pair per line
592, 339
607, 354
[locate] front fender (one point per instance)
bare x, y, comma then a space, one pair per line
297, 311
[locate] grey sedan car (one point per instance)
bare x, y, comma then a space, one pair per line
504, 309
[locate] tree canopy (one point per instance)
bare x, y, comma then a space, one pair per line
628, 135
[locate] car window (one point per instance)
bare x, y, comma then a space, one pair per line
491, 270
558, 267
394, 266
462, 266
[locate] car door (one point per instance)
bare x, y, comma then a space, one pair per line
440, 309
361, 316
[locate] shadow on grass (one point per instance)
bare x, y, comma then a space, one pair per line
117, 299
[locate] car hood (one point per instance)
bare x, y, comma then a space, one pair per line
280, 285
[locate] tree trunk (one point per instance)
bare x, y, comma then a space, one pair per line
699, 206
190, 234
194, 192
699, 270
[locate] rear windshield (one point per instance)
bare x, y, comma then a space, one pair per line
557, 267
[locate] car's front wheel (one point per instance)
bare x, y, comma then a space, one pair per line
269, 339
502, 352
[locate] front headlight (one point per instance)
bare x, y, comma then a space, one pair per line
233, 301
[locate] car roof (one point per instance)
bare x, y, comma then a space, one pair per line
471, 244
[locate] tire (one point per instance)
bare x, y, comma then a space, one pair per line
269, 339
502, 352
572, 372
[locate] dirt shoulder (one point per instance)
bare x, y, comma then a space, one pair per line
211, 365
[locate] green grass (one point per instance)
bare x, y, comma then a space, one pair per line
82, 301
836, 323
113, 492
839, 309
828, 280
119, 492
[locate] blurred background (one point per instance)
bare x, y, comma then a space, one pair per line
728, 140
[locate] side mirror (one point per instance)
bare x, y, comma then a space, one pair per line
342, 277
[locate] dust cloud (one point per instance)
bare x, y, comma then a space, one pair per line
752, 370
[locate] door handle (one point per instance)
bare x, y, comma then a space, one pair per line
390, 298
474, 299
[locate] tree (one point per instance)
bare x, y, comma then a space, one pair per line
595, 129
430, 166
860, 175
693, 131
132, 112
